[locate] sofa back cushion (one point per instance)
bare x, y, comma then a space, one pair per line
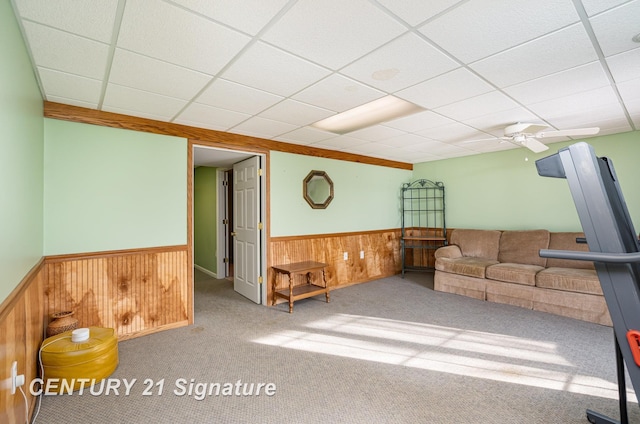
477, 243
522, 247
567, 241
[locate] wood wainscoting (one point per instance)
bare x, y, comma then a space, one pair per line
381, 256
21, 332
135, 292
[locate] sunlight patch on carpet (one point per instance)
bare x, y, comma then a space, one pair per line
468, 353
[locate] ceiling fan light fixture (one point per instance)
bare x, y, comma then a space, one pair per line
381, 110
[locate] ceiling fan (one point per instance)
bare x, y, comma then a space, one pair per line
527, 135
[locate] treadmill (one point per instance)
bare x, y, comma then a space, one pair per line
613, 247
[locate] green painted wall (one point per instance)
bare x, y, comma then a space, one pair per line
366, 197
21, 157
109, 189
503, 191
205, 218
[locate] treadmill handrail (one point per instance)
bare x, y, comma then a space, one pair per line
591, 256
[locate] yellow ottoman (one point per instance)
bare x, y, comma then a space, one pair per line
78, 363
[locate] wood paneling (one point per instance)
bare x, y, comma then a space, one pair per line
134, 292
224, 139
21, 332
381, 256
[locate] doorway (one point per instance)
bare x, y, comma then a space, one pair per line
226, 260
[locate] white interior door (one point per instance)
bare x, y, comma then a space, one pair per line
246, 228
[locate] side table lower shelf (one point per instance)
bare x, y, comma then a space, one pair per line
293, 292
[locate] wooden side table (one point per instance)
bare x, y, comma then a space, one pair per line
294, 293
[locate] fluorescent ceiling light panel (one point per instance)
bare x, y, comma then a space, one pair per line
366, 115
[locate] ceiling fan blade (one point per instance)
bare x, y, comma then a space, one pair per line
568, 133
523, 128
534, 145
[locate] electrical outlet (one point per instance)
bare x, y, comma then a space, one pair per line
346, 256
362, 254
17, 380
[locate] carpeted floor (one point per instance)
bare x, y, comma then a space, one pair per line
388, 351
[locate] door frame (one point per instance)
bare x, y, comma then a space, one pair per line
264, 208
222, 243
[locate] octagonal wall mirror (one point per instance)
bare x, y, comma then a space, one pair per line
317, 189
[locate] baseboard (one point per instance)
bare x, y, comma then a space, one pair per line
206, 271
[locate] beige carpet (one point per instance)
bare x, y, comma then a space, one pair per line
388, 351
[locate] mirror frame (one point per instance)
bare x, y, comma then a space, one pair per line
305, 193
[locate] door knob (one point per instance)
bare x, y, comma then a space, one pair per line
233, 233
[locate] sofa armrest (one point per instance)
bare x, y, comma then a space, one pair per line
452, 251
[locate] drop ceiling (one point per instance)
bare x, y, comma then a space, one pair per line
271, 68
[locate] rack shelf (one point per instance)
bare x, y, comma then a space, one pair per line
423, 224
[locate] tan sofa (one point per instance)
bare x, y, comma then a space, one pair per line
505, 267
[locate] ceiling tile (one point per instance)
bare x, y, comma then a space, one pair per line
630, 90
72, 102
295, 113
139, 101
419, 121
616, 27
405, 140
445, 89
340, 143
66, 52
210, 117
483, 104
560, 84
270, 69
593, 7
494, 123
452, 133
369, 149
338, 93
132, 112
144, 73
396, 66
230, 95
263, 128
333, 33
607, 118
88, 18
249, 16
377, 133
305, 135
157, 29
477, 29
625, 66
555, 52
60, 84
576, 103
414, 12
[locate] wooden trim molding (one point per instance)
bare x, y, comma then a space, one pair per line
328, 235
224, 139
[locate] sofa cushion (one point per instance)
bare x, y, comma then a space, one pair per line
459, 284
452, 251
472, 267
567, 241
582, 306
523, 247
570, 279
514, 273
510, 294
477, 243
